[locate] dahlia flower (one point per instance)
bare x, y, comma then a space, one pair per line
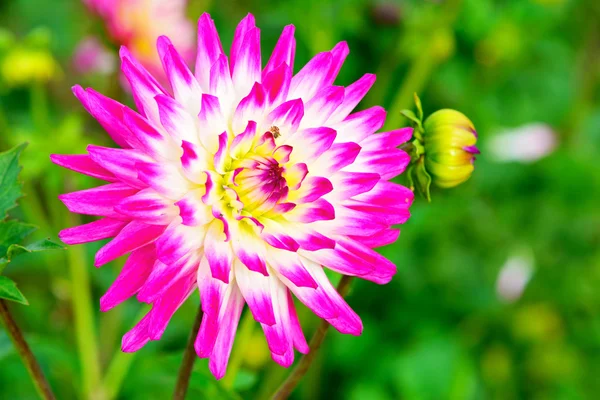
138, 23
244, 182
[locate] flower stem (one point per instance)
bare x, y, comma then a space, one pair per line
85, 331
288, 386
189, 357
33, 367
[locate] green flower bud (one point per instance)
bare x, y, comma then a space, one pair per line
449, 139
442, 150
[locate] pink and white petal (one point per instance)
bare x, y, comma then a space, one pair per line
167, 179
195, 161
143, 86
228, 323
250, 108
249, 247
176, 120
310, 79
356, 222
287, 117
387, 194
256, 289
284, 51
247, 24
221, 84
289, 265
120, 162
98, 230
322, 106
314, 298
154, 142
134, 273
164, 276
137, 337
275, 235
246, 63
295, 175
242, 143
318, 210
178, 241
388, 163
382, 238
360, 125
133, 236
192, 210
218, 251
295, 328
277, 84
353, 94
278, 335
309, 144
312, 189
211, 123
83, 164
390, 214
345, 320
338, 55
108, 113
149, 207
186, 88
385, 140
209, 50
349, 184
168, 303
309, 239
337, 157
100, 201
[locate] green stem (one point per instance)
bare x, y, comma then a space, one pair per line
237, 355
288, 386
85, 331
33, 367
189, 357
119, 367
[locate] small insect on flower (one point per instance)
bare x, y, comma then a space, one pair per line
244, 182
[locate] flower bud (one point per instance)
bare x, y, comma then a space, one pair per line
449, 140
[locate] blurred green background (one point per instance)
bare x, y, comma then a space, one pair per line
497, 294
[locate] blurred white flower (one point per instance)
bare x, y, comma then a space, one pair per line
514, 277
525, 144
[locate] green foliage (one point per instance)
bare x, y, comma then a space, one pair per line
13, 232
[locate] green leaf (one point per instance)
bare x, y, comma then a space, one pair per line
12, 232
10, 188
9, 291
16, 249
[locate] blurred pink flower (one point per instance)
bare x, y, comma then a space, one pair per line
91, 56
137, 24
245, 183
525, 144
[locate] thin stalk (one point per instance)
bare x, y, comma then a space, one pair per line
288, 386
85, 331
119, 367
33, 367
246, 329
189, 357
